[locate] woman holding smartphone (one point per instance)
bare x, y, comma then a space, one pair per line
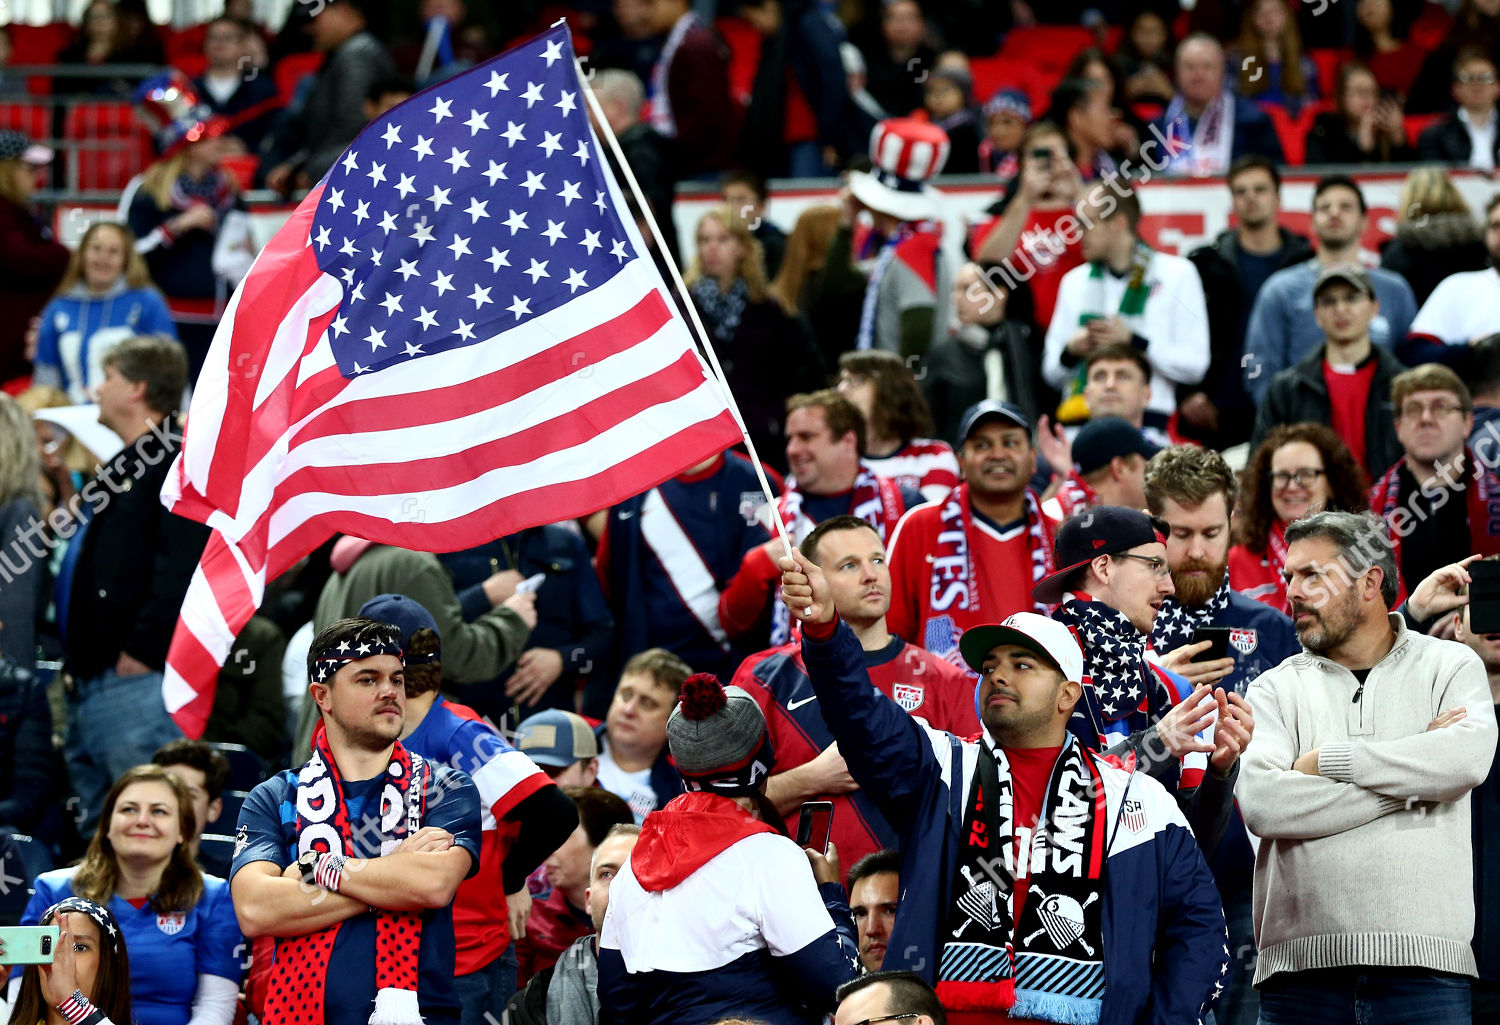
88, 981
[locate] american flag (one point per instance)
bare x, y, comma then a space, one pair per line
458, 334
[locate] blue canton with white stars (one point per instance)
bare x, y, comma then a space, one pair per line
470, 209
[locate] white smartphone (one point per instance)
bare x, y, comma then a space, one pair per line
531, 583
28, 944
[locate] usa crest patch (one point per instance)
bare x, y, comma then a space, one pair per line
908, 696
1243, 641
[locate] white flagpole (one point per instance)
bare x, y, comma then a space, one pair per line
687, 300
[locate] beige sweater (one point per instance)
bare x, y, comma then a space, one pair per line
1369, 862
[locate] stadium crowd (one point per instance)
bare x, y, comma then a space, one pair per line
1138, 659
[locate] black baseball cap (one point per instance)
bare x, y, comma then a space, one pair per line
1106, 437
1103, 530
988, 409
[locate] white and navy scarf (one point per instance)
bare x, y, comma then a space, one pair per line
1176, 623
721, 311
1120, 689
662, 118
1205, 148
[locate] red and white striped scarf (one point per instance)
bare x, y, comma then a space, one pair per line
1482, 498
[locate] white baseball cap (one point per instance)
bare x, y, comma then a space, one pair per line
1048, 638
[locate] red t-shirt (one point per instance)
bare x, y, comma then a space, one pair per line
1348, 397
1041, 257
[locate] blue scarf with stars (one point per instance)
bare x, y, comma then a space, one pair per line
1176, 623
1121, 693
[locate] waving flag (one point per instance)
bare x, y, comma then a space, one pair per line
458, 334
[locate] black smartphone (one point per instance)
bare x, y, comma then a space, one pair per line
814, 824
1484, 597
1042, 154
1218, 636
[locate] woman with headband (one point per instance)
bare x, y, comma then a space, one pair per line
88, 981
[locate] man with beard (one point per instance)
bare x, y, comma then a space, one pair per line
1113, 578
973, 557
1193, 489
1024, 855
1355, 906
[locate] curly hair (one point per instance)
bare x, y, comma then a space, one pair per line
900, 410
1188, 475
1348, 485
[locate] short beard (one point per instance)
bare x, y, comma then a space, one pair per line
1193, 592
1339, 623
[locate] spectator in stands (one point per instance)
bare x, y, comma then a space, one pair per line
744, 192
573, 639
1461, 307
794, 126
1284, 327
621, 95
1108, 468
187, 214
1485, 379
123, 579
987, 355
1299, 469
179, 922
473, 650
386, 94
1469, 136
332, 114
204, 772
863, 111
874, 896
90, 961
1006, 116
879, 995
808, 764
1476, 23
29, 766
948, 98
528, 815
1233, 268
32, 261
1145, 57
1268, 53
107, 34
818, 280
105, 295
1340, 901
898, 423
1207, 126
1344, 382
1436, 237
1080, 106
766, 353
666, 557
400, 902
713, 908
1364, 128
232, 85
633, 761
1128, 293
23, 568
1382, 47
691, 105
1435, 498
562, 744
1126, 128
1117, 382
897, 59
974, 556
1028, 240
1030, 671
628, 39
558, 912
249, 703
910, 275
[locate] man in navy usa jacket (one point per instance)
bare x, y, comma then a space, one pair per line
1038, 879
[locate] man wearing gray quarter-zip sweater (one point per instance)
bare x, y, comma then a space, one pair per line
1367, 745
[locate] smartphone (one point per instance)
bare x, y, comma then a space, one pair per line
1219, 646
531, 583
29, 944
814, 824
1042, 154
1484, 597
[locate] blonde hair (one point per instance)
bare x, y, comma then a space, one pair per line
8, 188
806, 251
1427, 191
76, 457
752, 265
136, 274
20, 462
158, 179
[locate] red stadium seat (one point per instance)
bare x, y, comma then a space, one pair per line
186, 42
1416, 124
242, 166
1048, 46
190, 64
1328, 62
38, 44
32, 118
291, 70
112, 145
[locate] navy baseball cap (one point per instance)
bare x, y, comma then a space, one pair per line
405, 615
1106, 437
556, 738
988, 409
1104, 530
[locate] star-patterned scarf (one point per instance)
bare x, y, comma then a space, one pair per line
298, 984
1121, 694
1176, 623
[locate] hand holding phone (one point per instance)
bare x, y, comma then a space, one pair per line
1218, 638
815, 825
531, 583
28, 944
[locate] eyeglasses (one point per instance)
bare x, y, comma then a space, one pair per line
1159, 567
1415, 410
1304, 477
1474, 78
888, 1017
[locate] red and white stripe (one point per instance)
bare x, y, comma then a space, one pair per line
908, 148
579, 408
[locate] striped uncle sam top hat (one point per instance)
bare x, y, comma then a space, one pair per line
907, 154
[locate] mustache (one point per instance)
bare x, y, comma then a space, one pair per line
1298, 608
1203, 565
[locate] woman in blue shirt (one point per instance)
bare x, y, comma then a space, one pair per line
178, 922
106, 295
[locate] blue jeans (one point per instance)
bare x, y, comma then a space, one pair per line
114, 723
483, 994
1365, 996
